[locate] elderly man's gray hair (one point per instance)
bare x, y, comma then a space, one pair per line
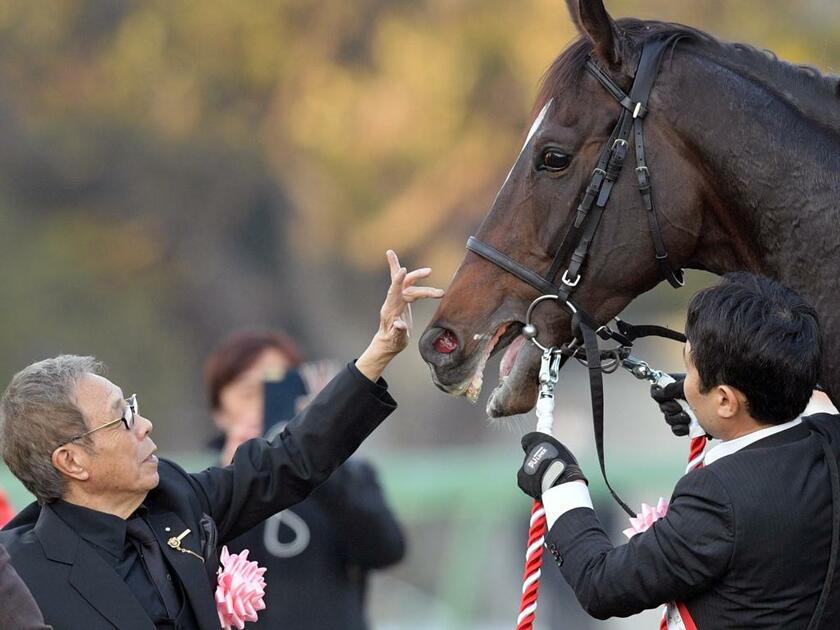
38, 413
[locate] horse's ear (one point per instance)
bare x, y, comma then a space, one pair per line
591, 17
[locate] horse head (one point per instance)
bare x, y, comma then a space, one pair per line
484, 309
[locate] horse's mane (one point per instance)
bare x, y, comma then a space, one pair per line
813, 93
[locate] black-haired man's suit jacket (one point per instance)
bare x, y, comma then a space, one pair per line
745, 543
76, 588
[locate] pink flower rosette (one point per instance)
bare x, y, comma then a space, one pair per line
648, 516
239, 590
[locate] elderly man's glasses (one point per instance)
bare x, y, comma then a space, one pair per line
127, 418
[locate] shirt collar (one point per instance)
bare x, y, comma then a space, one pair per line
104, 530
732, 446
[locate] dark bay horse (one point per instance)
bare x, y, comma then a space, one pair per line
744, 154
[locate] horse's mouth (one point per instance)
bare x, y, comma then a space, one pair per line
518, 372
516, 391
493, 344
470, 385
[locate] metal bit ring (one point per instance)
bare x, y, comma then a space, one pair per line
529, 331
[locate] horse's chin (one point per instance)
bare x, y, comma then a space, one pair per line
517, 390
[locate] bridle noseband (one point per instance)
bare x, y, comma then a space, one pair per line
578, 237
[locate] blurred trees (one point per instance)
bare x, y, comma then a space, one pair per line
172, 169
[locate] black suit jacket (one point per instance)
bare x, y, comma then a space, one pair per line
75, 587
745, 543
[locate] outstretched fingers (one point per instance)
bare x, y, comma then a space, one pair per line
395, 316
402, 292
417, 274
393, 262
394, 301
412, 294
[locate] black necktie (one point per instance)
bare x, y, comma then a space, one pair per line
150, 554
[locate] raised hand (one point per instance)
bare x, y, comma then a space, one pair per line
395, 316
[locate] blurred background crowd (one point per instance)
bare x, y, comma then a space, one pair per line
171, 171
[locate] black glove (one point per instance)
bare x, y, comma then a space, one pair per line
547, 464
667, 398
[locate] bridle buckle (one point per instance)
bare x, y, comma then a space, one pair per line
568, 282
604, 332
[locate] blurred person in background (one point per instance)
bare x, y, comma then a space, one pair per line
121, 539
318, 555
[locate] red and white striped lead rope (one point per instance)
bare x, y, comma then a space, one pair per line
549, 367
533, 569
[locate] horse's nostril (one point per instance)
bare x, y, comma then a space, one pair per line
446, 343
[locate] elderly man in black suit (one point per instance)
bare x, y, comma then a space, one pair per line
750, 539
120, 539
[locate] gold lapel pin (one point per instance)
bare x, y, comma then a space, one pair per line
175, 543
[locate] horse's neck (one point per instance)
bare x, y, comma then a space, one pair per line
772, 198
772, 174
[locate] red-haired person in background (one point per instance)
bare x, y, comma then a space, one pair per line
319, 553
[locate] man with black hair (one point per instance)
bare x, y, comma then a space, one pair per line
749, 540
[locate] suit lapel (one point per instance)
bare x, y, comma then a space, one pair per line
91, 576
100, 585
188, 567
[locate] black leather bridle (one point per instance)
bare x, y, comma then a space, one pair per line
578, 237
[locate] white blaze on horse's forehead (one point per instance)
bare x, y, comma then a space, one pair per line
531, 132
537, 122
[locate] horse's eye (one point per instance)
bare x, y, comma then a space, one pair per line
554, 160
